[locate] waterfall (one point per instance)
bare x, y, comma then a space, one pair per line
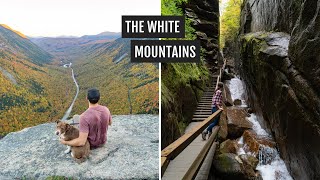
266, 154
271, 166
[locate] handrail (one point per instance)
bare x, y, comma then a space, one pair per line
175, 148
221, 73
197, 163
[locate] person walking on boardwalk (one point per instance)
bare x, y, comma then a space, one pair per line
216, 104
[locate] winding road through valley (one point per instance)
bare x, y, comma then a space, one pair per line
67, 113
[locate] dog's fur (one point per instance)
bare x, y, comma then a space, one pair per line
67, 132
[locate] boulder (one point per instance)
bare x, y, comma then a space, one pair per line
230, 166
252, 142
131, 152
227, 166
249, 160
223, 123
237, 102
229, 146
237, 122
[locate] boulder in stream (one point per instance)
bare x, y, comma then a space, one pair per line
237, 102
252, 142
237, 121
229, 146
230, 166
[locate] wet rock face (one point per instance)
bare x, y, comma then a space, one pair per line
269, 15
304, 44
287, 91
131, 152
237, 122
204, 16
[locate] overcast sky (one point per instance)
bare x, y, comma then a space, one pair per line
71, 17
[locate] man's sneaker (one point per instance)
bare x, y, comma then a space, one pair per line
204, 135
209, 134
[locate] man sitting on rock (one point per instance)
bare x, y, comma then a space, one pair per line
93, 123
216, 104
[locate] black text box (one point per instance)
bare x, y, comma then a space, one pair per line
168, 51
157, 22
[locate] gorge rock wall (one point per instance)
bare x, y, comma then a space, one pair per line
282, 72
183, 84
204, 17
269, 15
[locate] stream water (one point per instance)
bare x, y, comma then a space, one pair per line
271, 166
67, 113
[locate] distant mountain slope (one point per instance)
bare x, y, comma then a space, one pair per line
14, 42
67, 48
31, 91
126, 87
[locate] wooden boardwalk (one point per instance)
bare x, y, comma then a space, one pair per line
178, 167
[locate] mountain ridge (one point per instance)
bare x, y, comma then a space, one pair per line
45, 88
15, 44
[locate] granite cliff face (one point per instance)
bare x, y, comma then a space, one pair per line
282, 76
269, 15
131, 152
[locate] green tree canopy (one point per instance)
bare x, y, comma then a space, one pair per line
230, 21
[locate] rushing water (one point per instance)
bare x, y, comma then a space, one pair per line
271, 166
66, 115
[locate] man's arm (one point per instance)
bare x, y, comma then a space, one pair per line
80, 141
110, 117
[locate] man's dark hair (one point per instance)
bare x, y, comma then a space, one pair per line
93, 95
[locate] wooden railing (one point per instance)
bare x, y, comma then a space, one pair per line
175, 148
197, 163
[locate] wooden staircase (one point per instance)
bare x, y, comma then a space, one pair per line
204, 106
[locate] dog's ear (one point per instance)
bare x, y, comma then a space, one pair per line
57, 121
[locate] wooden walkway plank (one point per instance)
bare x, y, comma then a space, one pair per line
189, 157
